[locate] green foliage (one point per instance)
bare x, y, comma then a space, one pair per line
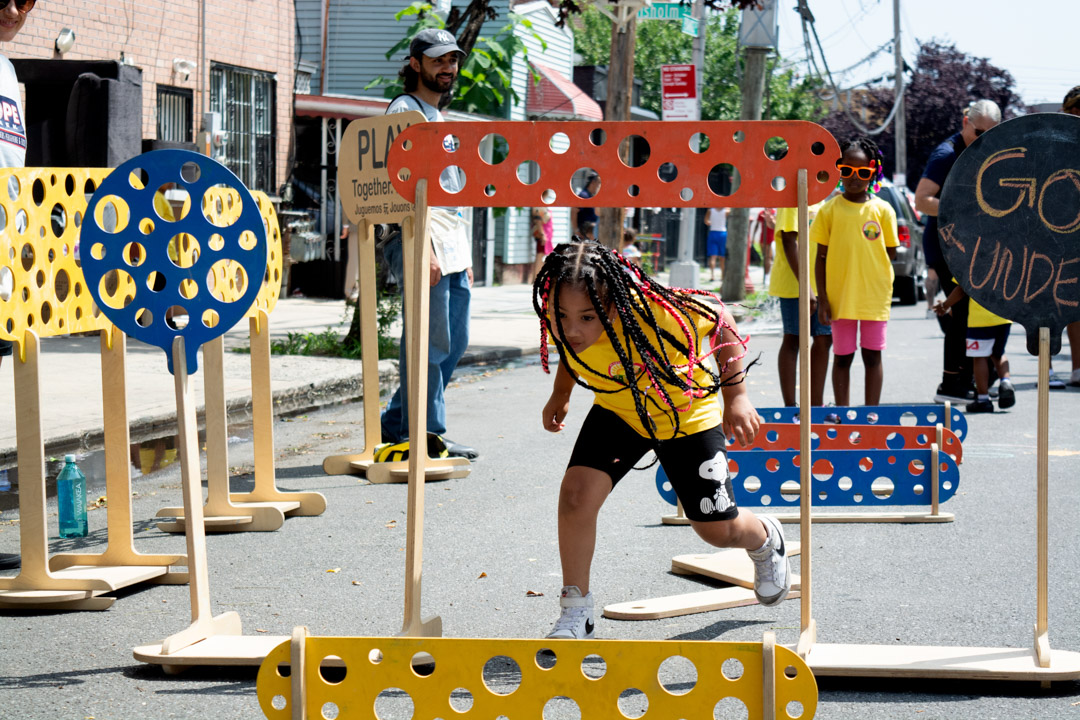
330, 343
484, 81
661, 42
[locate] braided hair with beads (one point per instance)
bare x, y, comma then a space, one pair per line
667, 360
873, 153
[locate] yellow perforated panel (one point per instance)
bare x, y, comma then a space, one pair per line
41, 285
221, 203
480, 678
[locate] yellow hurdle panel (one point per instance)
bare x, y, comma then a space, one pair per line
222, 206
389, 677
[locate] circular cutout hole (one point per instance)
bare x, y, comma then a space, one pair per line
732, 669
58, 220
188, 289
546, 658
597, 136
559, 143
155, 281
667, 172
528, 172
823, 176
329, 711
461, 700
548, 196
28, 256
14, 187
183, 250
111, 214
561, 707
502, 675
451, 143
489, 190
686, 194
279, 702
146, 226
210, 319
216, 242
844, 483
738, 136
422, 663
493, 148
21, 221
46, 312
452, 179
248, 241
113, 289
633, 191
218, 212
227, 281
585, 183
172, 203
731, 708
778, 183
144, 318
138, 178
634, 151
700, 142
817, 148
62, 283
404, 174
794, 709
593, 667
134, 254
776, 148
677, 675
375, 656
633, 703
176, 317
724, 179
190, 172
394, 703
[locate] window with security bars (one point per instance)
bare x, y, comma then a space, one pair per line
174, 107
245, 100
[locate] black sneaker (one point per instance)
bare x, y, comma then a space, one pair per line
1006, 395
953, 392
980, 406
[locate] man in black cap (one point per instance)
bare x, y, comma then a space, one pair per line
429, 75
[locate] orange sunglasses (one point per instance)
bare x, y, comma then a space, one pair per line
863, 173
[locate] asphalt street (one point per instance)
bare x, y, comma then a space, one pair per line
491, 565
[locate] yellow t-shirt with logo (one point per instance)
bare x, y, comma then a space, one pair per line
782, 280
859, 274
606, 374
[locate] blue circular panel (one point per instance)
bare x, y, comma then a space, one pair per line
179, 265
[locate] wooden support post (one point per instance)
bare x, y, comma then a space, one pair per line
807, 628
935, 474
417, 254
768, 675
948, 415
1042, 506
297, 673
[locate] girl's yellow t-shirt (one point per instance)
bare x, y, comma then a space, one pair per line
858, 272
607, 373
782, 281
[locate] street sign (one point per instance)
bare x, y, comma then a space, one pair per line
678, 92
664, 11
690, 26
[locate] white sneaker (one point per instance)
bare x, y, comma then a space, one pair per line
1074, 378
772, 570
1055, 383
576, 620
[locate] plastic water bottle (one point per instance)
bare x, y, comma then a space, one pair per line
71, 497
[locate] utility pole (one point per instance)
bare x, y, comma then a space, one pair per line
684, 272
620, 87
738, 224
899, 121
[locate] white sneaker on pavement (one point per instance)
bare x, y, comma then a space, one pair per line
772, 570
1074, 377
576, 620
1054, 382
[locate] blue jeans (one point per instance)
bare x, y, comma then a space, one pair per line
448, 337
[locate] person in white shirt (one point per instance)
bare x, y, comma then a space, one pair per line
716, 243
12, 127
429, 74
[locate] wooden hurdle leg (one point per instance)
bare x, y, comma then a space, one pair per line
807, 626
768, 675
298, 672
1042, 507
417, 255
121, 548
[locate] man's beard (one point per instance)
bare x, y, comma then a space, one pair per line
432, 83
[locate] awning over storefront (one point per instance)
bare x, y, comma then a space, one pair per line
334, 106
555, 97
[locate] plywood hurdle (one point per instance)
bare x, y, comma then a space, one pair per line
265, 507
352, 677
37, 251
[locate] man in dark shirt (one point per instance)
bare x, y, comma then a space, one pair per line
979, 116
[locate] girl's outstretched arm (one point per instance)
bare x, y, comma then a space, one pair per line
740, 417
558, 405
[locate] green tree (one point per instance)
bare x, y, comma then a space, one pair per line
661, 42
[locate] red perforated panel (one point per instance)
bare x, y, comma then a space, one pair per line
647, 164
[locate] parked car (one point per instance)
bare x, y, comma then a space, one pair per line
909, 267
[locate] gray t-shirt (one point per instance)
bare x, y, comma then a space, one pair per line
450, 179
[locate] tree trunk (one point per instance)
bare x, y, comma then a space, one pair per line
465, 24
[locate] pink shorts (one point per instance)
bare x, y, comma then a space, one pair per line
871, 332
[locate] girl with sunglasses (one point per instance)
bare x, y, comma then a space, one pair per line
12, 128
856, 237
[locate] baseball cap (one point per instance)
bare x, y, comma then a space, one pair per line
433, 42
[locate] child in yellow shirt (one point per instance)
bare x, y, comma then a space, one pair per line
856, 237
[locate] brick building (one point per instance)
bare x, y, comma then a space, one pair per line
233, 57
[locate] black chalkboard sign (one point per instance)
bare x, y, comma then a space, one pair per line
1009, 223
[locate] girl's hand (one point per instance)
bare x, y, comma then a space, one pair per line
555, 411
824, 312
741, 419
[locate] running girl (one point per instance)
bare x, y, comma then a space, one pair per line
644, 350
856, 237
